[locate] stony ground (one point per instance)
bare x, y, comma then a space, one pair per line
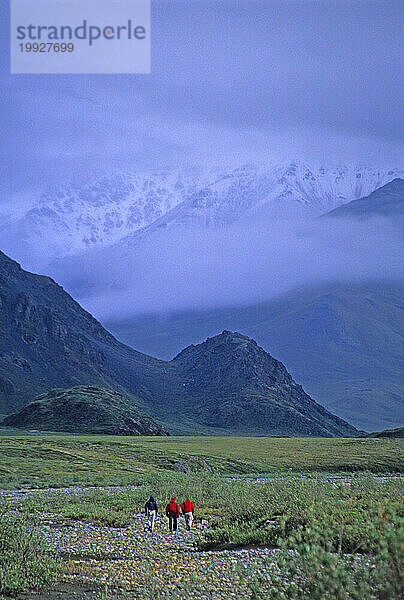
102, 563
131, 563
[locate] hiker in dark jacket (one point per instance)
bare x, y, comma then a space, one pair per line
172, 512
151, 510
188, 510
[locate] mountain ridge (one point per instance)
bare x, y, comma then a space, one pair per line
124, 208
386, 201
343, 342
48, 341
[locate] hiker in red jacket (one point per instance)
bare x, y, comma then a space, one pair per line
172, 512
188, 510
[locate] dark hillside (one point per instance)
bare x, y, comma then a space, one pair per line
228, 384
84, 409
234, 383
387, 201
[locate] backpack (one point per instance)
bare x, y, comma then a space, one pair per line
173, 508
151, 505
187, 506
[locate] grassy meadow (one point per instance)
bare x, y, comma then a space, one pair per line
348, 540
314, 535
40, 460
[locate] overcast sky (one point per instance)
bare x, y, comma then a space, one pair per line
232, 81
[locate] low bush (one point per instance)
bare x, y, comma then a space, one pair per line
338, 540
24, 563
312, 571
354, 515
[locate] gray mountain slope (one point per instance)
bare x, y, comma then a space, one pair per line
343, 342
48, 341
386, 201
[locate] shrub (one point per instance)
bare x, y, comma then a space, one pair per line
24, 563
311, 571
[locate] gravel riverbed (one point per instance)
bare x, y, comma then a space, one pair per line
107, 563
145, 564
103, 563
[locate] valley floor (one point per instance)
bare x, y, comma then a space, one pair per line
72, 506
106, 551
40, 460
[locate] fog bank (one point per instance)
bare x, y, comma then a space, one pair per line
180, 269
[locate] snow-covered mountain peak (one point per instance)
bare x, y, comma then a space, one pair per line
76, 217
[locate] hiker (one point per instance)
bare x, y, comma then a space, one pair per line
172, 512
188, 509
151, 510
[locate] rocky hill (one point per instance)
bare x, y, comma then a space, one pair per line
84, 409
224, 385
344, 343
388, 433
229, 381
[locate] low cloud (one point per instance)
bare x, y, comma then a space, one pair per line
238, 265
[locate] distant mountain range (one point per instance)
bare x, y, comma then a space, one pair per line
227, 384
124, 208
342, 341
